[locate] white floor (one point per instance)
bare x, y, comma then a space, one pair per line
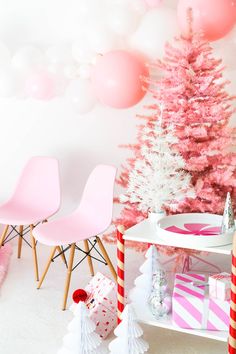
31, 321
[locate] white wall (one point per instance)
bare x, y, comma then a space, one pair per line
79, 142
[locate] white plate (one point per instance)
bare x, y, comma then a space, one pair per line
186, 234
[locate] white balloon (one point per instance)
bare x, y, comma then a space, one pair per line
101, 40
70, 71
9, 82
81, 51
84, 71
5, 56
91, 8
27, 59
156, 28
61, 83
59, 78
139, 6
122, 20
59, 54
55, 68
95, 58
80, 93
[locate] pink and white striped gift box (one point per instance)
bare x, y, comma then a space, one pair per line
192, 307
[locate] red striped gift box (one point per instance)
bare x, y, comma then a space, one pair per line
192, 307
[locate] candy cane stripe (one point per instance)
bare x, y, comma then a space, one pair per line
233, 306
120, 298
231, 343
231, 350
233, 288
120, 272
232, 327
233, 321
232, 315
121, 283
120, 265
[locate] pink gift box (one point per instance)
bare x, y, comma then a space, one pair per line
101, 303
219, 286
193, 309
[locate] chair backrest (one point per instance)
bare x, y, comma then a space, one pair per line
97, 198
39, 185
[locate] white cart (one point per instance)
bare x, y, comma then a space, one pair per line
146, 232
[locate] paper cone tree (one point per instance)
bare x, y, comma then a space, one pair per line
128, 335
228, 217
82, 338
143, 283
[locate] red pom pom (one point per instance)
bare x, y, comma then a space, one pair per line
79, 295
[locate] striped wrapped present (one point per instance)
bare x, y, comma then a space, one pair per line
192, 307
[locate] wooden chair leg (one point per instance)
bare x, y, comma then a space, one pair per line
90, 262
33, 244
20, 241
4, 233
62, 255
107, 259
47, 267
68, 278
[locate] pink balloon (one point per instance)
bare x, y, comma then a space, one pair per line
116, 79
214, 17
40, 85
153, 3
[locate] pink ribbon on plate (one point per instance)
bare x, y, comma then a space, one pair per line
196, 229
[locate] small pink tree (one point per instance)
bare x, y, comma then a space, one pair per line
193, 93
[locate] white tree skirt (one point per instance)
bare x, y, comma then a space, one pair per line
31, 320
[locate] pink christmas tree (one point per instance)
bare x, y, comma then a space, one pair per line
193, 93
199, 107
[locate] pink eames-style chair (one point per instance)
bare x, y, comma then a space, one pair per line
92, 217
35, 199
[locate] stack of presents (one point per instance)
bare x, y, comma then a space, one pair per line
198, 302
201, 303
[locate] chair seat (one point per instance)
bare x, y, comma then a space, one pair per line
20, 214
67, 230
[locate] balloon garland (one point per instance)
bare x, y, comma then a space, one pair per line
107, 61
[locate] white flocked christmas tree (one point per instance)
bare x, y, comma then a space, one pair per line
158, 178
82, 338
143, 283
128, 334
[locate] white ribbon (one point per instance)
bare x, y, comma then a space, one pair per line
205, 313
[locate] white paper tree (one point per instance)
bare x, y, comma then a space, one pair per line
82, 338
143, 283
128, 335
158, 178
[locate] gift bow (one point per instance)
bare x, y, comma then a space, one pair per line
214, 286
195, 229
221, 276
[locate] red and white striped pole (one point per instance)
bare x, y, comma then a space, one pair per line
232, 327
120, 272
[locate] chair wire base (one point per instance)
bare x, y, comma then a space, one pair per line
86, 254
26, 230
